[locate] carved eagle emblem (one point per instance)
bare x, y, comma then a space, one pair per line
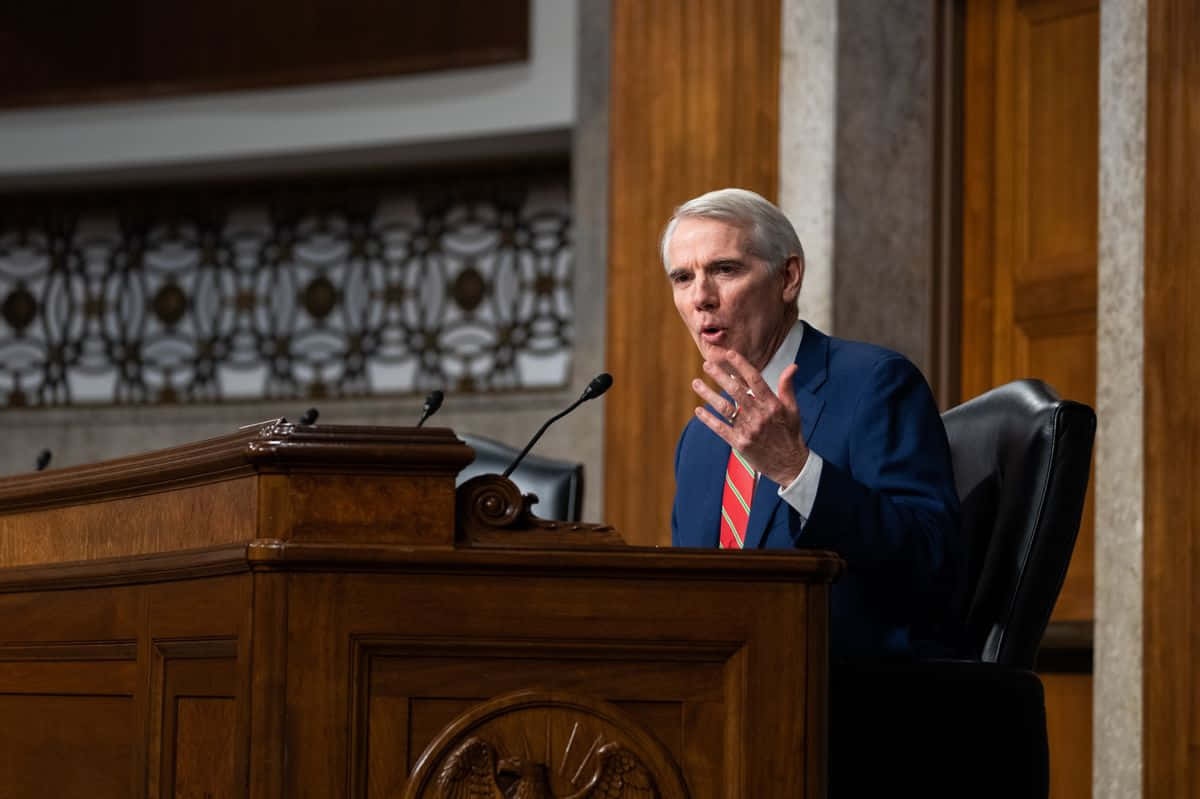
472, 771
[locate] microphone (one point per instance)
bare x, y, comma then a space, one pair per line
43, 460
432, 403
600, 383
310, 416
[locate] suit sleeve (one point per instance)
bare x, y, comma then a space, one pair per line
892, 509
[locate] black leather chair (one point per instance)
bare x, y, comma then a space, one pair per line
1021, 462
557, 484
976, 726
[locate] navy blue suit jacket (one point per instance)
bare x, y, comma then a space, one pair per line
886, 500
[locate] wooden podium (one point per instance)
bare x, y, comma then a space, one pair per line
305, 612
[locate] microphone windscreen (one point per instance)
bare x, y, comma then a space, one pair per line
433, 401
600, 383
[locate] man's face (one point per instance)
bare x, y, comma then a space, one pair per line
724, 294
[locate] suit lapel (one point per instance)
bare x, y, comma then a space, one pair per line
811, 362
712, 463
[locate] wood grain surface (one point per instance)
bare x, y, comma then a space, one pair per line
324, 652
694, 106
666, 653
1172, 417
276, 480
123, 49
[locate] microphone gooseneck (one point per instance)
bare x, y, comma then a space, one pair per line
432, 403
600, 383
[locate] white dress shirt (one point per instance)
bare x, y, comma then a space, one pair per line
801, 492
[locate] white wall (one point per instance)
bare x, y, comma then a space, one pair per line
59, 145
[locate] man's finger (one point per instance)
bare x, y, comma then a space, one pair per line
719, 403
716, 425
749, 375
720, 372
786, 397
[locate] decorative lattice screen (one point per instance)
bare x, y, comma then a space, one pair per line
333, 291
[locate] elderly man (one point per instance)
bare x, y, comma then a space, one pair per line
812, 441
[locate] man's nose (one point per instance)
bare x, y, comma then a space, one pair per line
704, 294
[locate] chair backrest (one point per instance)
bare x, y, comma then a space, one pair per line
557, 484
1021, 461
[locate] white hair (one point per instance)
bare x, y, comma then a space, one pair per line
771, 236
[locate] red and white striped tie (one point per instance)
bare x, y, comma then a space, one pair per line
735, 501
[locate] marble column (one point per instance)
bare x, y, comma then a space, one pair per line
1117, 698
884, 181
589, 198
856, 165
807, 125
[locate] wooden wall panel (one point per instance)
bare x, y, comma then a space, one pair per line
979, 178
125, 49
697, 682
694, 106
125, 690
1069, 727
94, 734
194, 712
204, 746
1057, 61
69, 694
1172, 413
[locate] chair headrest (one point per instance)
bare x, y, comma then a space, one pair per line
1021, 461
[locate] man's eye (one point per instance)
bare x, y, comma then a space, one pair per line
680, 277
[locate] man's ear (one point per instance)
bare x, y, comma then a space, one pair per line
793, 277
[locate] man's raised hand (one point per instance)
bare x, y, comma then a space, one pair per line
764, 426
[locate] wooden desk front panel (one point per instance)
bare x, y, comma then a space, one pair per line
124, 691
714, 670
207, 515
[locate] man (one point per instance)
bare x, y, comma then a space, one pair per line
812, 441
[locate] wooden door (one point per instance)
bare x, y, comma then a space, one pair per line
1030, 203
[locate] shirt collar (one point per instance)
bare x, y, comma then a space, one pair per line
786, 354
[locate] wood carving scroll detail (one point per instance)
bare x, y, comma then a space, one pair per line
491, 511
545, 745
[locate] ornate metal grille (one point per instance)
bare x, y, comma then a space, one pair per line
325, 292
